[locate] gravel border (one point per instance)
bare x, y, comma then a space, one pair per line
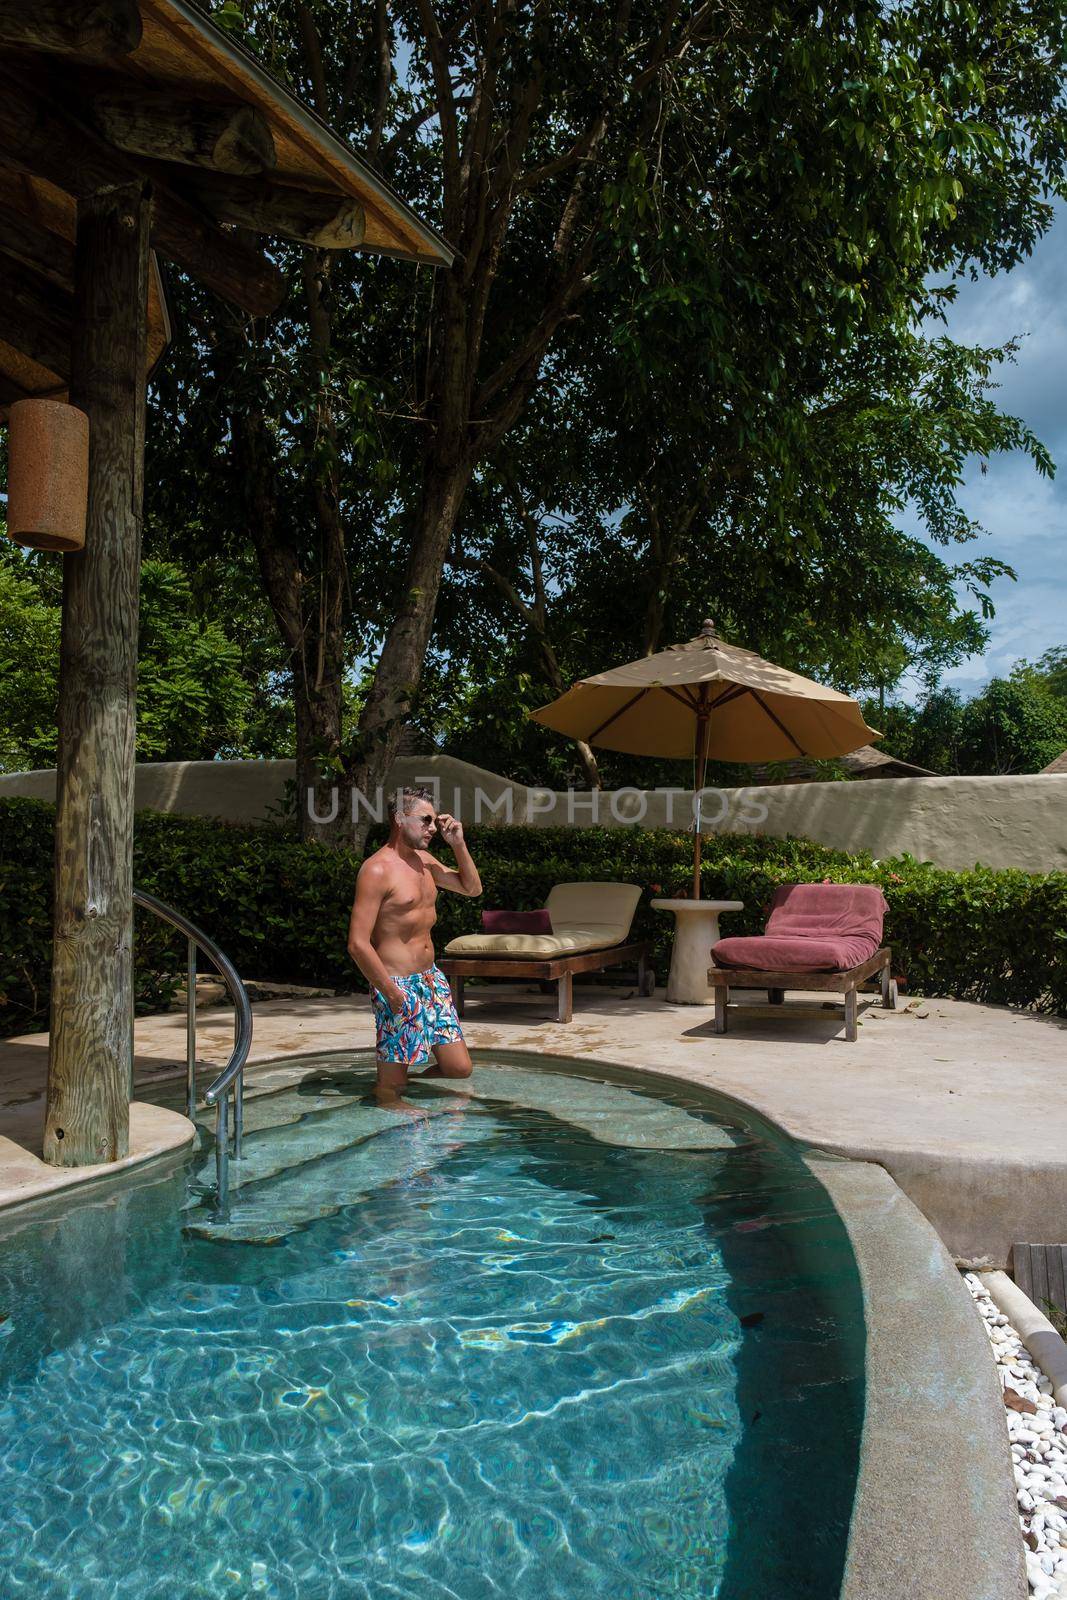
1037, 1431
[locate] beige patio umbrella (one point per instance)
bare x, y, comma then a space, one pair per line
708, 699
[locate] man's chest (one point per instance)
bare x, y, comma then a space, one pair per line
412, 894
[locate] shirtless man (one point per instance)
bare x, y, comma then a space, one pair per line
389, 940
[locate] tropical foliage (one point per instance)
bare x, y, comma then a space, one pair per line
280, 908
208, 684
1014, 724
689, 337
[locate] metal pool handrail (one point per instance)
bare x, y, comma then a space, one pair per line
232, 1074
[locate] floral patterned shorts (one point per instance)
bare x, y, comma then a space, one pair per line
428, 1019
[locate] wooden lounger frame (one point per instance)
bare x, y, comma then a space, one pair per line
559, 970
846, 982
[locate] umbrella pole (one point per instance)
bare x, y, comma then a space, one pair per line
703, 734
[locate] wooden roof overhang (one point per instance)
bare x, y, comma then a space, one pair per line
96, 92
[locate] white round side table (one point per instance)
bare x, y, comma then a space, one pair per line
696, 929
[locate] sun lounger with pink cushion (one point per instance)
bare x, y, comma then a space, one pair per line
821, 936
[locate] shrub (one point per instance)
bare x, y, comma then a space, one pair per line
280, 908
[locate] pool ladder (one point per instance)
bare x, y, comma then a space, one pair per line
232, 1075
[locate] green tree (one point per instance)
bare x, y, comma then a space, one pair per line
764, 186
29, 669
1048, 671
1012, 726
929, 733
798, 555
195, 696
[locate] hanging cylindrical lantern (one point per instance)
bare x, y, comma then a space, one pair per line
47, 474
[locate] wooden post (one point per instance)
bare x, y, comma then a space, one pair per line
852, 1031
90, 1063
702, 737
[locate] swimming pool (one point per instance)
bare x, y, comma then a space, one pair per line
568, 1332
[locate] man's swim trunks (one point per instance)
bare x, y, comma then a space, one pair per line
428, 1019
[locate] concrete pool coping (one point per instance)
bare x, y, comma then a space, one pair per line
935, 1515
934, 1453
155, 1133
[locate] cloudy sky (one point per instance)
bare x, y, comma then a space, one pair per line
1025, 514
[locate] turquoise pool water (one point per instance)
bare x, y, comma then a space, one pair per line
563, 1336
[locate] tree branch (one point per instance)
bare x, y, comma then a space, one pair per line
309, 35
519, 372
551, 169
518, 136
411, 124
357, 55
501, 582
446, 110
383, 44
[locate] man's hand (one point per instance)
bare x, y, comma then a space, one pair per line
450, 829
396, 998
463, 877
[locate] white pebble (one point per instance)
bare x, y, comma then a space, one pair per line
1038, 1441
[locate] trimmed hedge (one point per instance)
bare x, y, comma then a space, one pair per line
280, 908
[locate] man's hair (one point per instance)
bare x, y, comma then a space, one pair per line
403, 800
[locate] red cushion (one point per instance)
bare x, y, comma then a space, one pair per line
768, 954
812, 927
516, 922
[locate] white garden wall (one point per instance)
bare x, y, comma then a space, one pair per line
1003, 822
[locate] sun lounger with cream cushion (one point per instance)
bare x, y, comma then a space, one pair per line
590, 929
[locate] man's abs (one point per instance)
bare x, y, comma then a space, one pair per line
402, 936
401, 957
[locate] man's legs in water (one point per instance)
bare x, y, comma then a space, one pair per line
453, 1061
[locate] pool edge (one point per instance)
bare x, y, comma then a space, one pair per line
934, 1516
156, 1132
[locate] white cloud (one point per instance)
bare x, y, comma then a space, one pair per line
1025, 514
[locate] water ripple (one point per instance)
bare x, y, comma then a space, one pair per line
513, 1377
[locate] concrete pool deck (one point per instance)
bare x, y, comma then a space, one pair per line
964, 1105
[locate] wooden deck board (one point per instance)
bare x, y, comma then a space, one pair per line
1057, 1289
1040, 1270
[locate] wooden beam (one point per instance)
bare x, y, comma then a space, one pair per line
42, 139
90, 1057
93, 30
197, 133
10, 391
231, 266
36, 317
46, 252
328, 221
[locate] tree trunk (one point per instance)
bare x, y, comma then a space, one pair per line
90, 1065
654, 614
313, 637
388, 705
320, 689
555, 677
323, 785
589, 763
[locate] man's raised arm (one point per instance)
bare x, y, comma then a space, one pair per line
463, 878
